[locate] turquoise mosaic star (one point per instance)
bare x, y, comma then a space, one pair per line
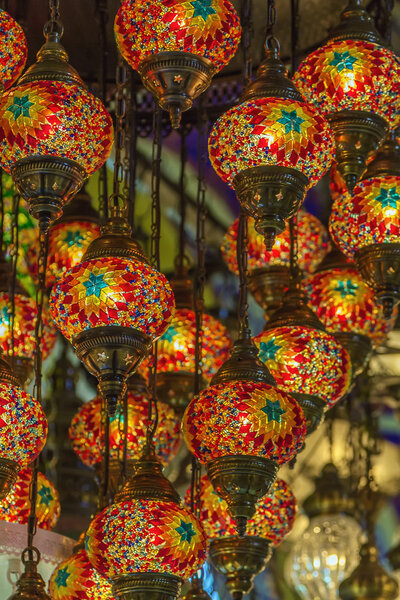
346, 288
20, 106
203, 9
61, 577
291, 121
343, 60
186, 531
388, 198
45, 495
268, 350
169, 334
5, 316
273, 411
94, 285
73, 238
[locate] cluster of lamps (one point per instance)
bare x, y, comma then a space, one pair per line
260, 398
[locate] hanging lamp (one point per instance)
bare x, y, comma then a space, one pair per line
271, 147
307, 362
354, 80
53, 132
87, 437
269, 273
30, 586
23, 428
347, 308
327, 551
196, 591
371, 220
13, 50
177, 47
145, 543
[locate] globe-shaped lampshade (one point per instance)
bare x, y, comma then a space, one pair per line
272, 520
370, 216
207, 28
337, 185
270, 132
176, 347
312, 240
324, 555
345, 304
57, 119
142, 536
351, 75
243, 417
13, 50
112, 291
15, 507
23, 425
306, 360
22, 343
75, 577
87, 436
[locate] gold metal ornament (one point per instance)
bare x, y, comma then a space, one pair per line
330, 495
196, 591
268, 285
176, 79
48, 183
30, 585
240, 559
369, 581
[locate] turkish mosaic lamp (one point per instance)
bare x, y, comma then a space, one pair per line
354, 80
366, 226
268, 271
177, 46
53, 132
13, 50
271, 147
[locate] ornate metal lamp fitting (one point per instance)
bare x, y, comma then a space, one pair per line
243, 364
271, 194
176, 388
196, 591
30, 585
240, 560
268, 285
112, 353
355, 24
182, 285
330, 495
48, 183
175, 79
80, 208
369, 581
152, 586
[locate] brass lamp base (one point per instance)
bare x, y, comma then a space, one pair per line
111, 354
357, 135
47, 183
313, 409
176, 389
268, 286
8, 475
240, 560
270, 194
147, 586
241, 481
22, 369
31, 585
359, 348
176, 79
379, 266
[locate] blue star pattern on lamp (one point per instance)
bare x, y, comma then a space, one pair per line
61, 577
45, 495
273, 411
268, 350
346, 288
20, 106
94, 285
291, 121
203, 9
388, 197
343, 60
186, 531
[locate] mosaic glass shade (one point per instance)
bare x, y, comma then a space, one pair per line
13, 49
112, 291
337, 185
351, 75
75, 578
345, 303
370, 216
176, 347
273, 519
207, 28
306, 360
87, 437
313, 244
15, 507
142, 536
269, 132
243, 417
23, 425
52, 118
24, 327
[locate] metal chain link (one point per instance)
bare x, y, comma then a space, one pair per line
182, 198
294, 248
14, 251
241, 257
103, 17
103, 498
116, 200
271, 18
247, 35
295, 26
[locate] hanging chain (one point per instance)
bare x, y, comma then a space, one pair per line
271, 20
2, 249
103, 17
247, 35
132, 148
294, 248
117, 202
241, 257
182, 198
14, 251
54, 8
295, 25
